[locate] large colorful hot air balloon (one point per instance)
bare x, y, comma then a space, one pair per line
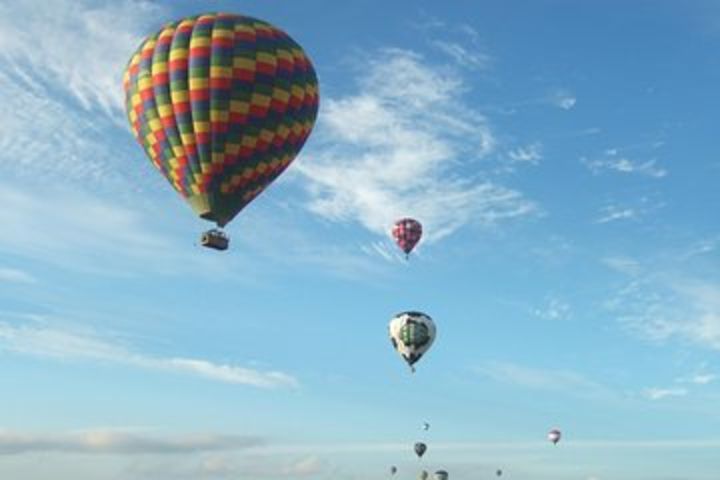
554, 435
407, 233
412, 334
221, 104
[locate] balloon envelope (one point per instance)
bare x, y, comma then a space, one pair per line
420, 449
407, 233
412, 334
221, 104
423, 475
554, 435
441, 475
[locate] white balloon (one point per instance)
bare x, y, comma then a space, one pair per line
554, 435
412, 334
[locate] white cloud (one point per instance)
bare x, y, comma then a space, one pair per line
399, 147
613, 213
462, 56
562, 99
386, 250
61, 95
626, 265
262, 467
543, 379
611, 160
13, 275
531, 154
703, 379
660, 393
663, 307
77, 230
76, 46
43, 341
554, 309
699, 379
120, 442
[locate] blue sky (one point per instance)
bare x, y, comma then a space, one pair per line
562, 156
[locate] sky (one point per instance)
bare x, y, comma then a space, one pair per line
562, 157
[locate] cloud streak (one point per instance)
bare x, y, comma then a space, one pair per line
43, 341
121, 443
612, 161
661, 393
543, 379
75, 46
396, 148
12, 275
663, 307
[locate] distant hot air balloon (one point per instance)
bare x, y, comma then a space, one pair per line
407, 233
498, 473
441, 475
420, 449
221, 104
554, 435
393, 470
426, 426
423, 475
412, 334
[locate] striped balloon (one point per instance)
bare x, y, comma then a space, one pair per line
221, 104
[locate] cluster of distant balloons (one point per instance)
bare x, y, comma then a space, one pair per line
222, 104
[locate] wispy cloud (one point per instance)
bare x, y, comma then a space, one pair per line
13, 275
611, 160
473, 59
79, 47
662, 307
76, 229
563, 99
44, 341
61, 97
699, 379
223, 466
553, 309
660, 393
121, 442
396, 148
622, 264
543, 379
530, 154
613, 213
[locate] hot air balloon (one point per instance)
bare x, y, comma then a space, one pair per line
407, 233
393, 470
554, 435
420, 449
498, 473
426, 426
423, 475
412, 334
441, 475
221, 104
